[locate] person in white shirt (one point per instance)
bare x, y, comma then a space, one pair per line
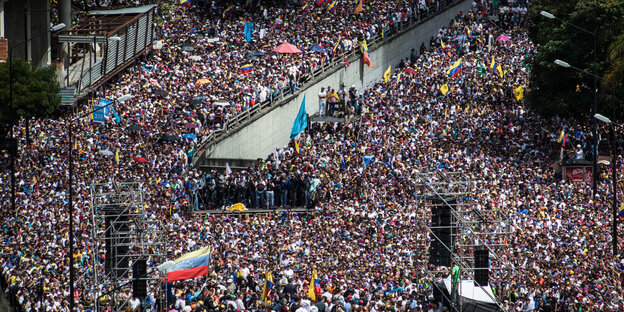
322, 95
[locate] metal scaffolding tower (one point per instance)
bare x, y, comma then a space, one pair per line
470, 227
123, 233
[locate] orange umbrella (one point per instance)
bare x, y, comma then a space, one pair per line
202, 81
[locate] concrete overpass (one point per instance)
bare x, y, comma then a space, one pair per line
255, 133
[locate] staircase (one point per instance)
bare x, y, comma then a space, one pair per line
68, 96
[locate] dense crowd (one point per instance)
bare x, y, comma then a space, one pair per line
365, 239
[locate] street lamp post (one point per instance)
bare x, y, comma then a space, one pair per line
607, 120
614, 176
14, 148
71, 196
595, 76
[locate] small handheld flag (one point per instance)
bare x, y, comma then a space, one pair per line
518, 92
455, 69
444, 89
228, 11
332, 5
185, 3
387, 74
247, 68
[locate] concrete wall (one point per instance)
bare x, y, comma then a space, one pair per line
259, 138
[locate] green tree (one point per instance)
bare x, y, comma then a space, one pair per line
615, 72
564, 91
35, 92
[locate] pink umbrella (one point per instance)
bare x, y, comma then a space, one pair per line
409, 70
140, 159
286, 48
502, 38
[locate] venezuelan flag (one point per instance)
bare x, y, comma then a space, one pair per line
560, 139
315, 286
467, 29
246, 68
455, 69
621, 210
364, 47
228, 11
190, 265
250, 4
365, 57
268, 284
174, 21
400, 76
185, 3
496, 66
442, 44
332, 5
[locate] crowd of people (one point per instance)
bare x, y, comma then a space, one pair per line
366, 239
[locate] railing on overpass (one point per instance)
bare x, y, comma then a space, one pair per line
285, 94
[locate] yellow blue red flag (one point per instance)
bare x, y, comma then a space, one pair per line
455, 69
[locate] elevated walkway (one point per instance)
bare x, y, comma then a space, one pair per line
256, 132
101, 45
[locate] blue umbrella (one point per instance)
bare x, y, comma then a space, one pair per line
189, 136
317, 47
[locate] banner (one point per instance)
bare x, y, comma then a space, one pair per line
99, 113
578, 174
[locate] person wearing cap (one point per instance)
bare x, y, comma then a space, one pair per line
578, 152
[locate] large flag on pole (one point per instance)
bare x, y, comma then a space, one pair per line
190, 265
301, 122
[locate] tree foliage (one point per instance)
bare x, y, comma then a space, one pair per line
35, 92
564, 91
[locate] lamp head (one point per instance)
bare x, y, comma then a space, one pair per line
124, 97
547, 15
602, 118
562, 63
58, 27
